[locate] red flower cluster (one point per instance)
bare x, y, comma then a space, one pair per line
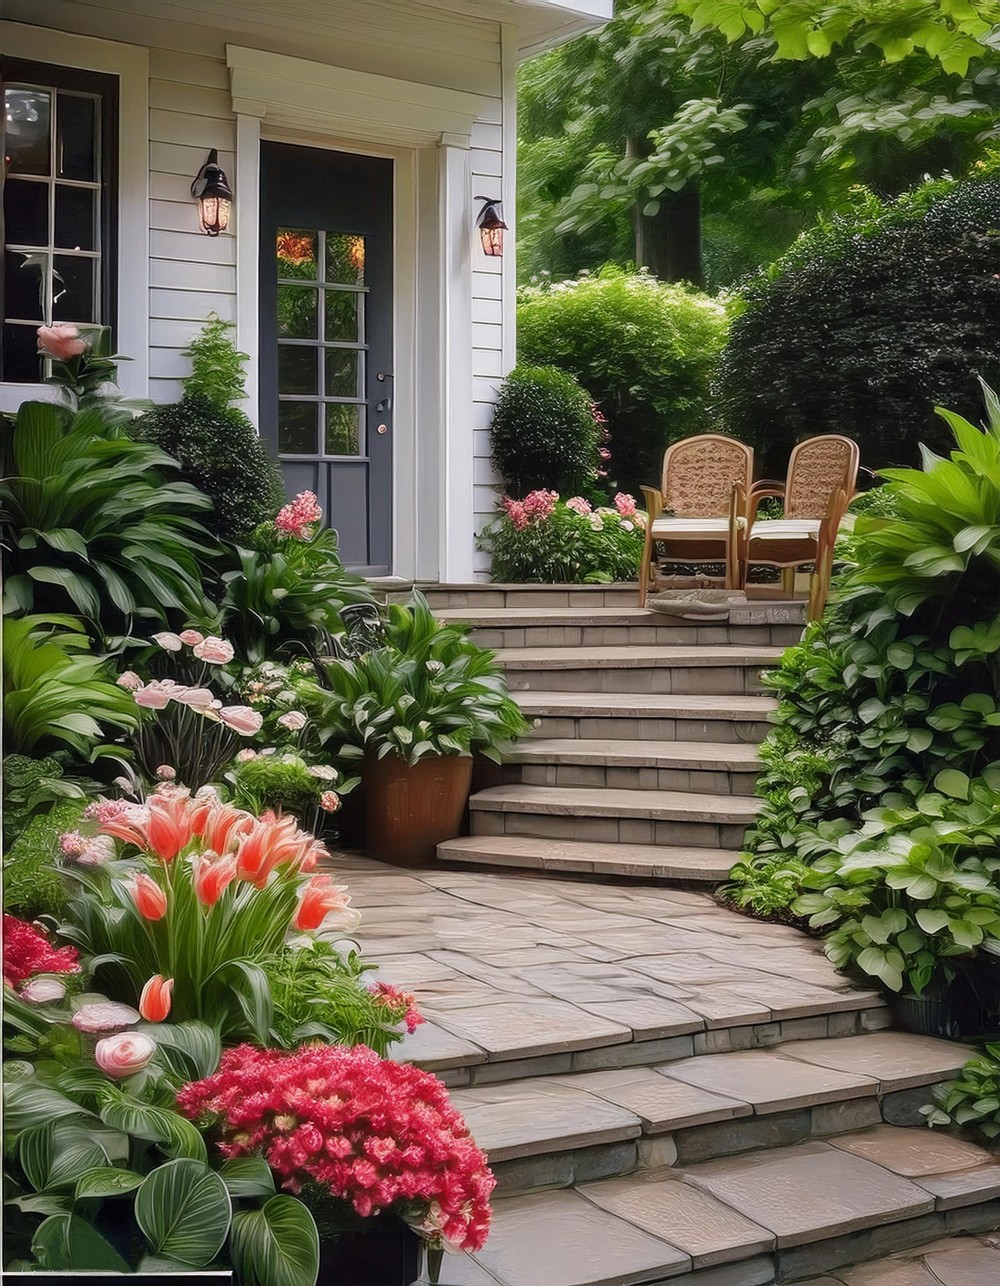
26, 952
298, 518
373, 1132
401, 1004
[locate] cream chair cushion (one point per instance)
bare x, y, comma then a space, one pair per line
785, 529
690, 528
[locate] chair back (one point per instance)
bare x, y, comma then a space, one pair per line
818, 468
699, 475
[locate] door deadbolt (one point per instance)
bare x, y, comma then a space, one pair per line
382, 428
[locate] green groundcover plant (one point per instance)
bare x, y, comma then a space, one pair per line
879, 780
545, 539
971, 1102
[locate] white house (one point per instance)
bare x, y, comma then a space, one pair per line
357, 136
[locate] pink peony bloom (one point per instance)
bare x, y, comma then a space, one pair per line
61, 342
124, 1054
540, 504
297, 519
293, 720
579, 505
104, 1015
166, 773
103, 810
241, 719
191, 637
329, 801
43, 991
214, 650
97, 851
169, 642
71, 843
625, 504
515, 512
129, 680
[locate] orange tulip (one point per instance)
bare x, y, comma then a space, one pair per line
154, 1003
212, 876
170, 825
148, 897
319, 897
269, 843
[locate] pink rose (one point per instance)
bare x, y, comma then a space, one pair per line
241, 719
97, 851
124, 1054
43, 991
329, 801
104, 1015
169, 642
196, 698
166, 773
129, 680
61, 342
159, 693
578, 505
214, 650
191, 637
293, 720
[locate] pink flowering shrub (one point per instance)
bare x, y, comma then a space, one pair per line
26, 953
543, 539
299, 518
373, 1133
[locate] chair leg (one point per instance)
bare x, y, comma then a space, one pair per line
644, 566
788, 581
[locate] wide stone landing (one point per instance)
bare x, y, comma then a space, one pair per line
952, 1261
520, 976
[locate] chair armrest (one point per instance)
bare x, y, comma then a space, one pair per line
654, 502
766, 487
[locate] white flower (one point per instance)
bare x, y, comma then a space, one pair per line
324, 772
169, 642
293, 720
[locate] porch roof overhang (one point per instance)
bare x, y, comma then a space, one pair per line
544, 23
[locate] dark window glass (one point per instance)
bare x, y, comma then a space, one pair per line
21, 361
28, 136
343, 315
77, 140
297, 308
297, 428
76, 218
297, 369
342, 368
343, 428
24, 278
26, 213
73, 293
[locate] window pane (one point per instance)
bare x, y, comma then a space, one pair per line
27, 136
21, 363
297, 428
76, 218
76, 137
343, 429
342, 371
26, 211
345, 258
343, 315
24, 288
74, 298
297, 312
297, 369
295, 253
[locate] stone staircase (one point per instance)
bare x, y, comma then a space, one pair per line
667, 1092
642, 757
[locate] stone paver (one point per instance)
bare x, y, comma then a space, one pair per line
663, 1204
561, 1239
660, 1103
915, 1153
545, 1026
575, 801
954, 1261
811, 1191
897, 1060
768, 1083
644, 861
720, 756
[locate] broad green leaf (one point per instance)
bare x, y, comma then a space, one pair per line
184, 1211
953, 783
248, 1177
932, 920
277, 1245
67, 1242
177, 1136
106, 1181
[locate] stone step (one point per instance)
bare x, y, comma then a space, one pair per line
963, 1259
770, 1215
495, 594
691, 670
725, 768
648, 862
650, 717
613, 626
557, 1131
674, 817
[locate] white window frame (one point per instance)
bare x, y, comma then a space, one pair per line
130, 64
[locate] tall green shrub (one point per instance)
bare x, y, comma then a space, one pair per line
214, 443
645, 350
544, 432
868, 323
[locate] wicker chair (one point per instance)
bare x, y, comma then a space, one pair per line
696, 515
821, 481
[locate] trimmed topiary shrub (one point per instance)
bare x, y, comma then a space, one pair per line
544, 432
216, 446
646, 351
867, 324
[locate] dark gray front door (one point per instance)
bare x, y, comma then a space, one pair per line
326, 337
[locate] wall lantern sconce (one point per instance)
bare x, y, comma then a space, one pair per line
491, 226
214, 196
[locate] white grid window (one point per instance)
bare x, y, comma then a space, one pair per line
56, 230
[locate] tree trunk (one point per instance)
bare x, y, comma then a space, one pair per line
669, 242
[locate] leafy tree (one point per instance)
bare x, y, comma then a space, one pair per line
681, 123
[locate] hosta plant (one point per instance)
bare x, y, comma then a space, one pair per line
972, 1100
202, 895
429, 690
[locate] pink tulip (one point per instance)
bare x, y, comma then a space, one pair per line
61, 342
241, 719
149, 898
191, 637
129, 680
159, 693
200, 699
169, 642
124, 1054
214, 650
154, 1003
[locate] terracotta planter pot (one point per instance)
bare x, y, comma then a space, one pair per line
411, 808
